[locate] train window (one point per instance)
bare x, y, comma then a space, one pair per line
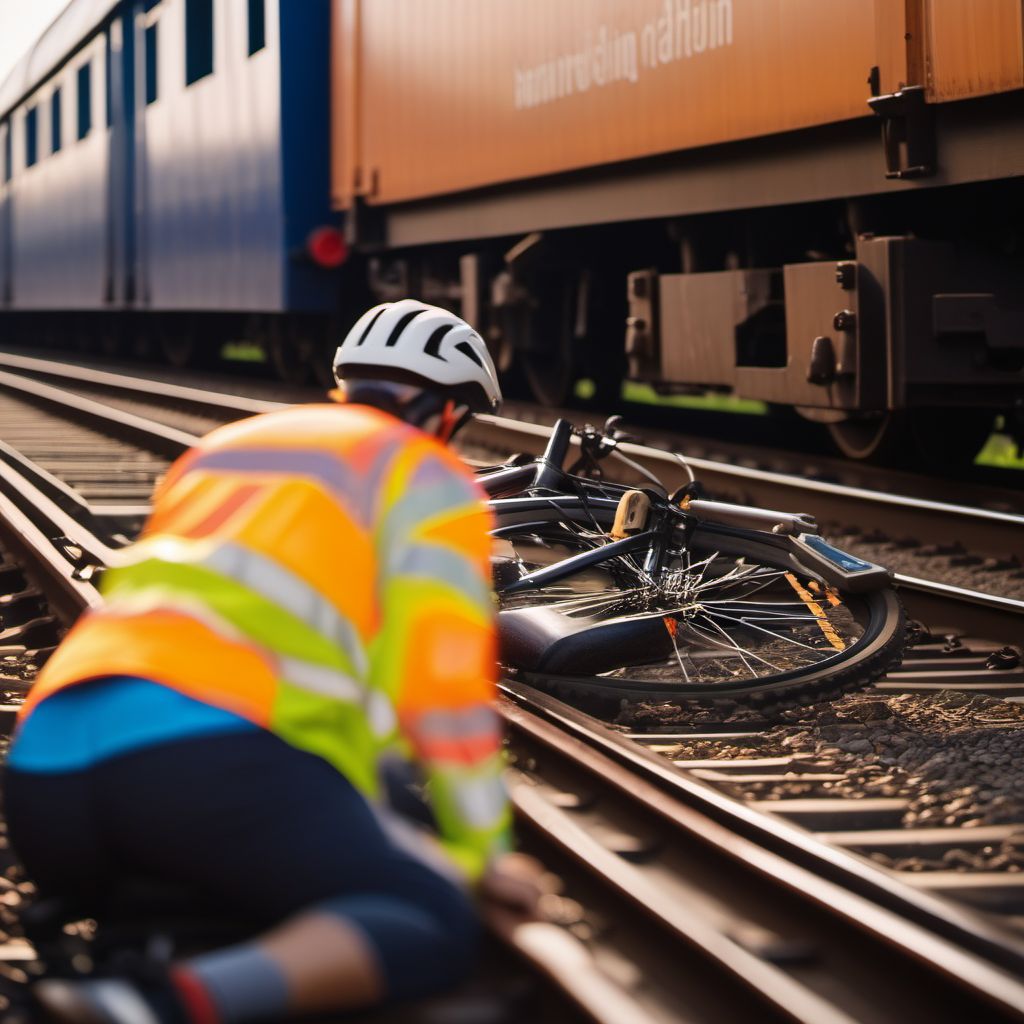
257, 25
111, 54
151, 63
8, 154
84, 100
55, 139
31, 136
198, 39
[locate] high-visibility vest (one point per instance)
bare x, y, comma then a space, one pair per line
323, 572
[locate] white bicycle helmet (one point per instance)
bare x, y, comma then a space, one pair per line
409, 342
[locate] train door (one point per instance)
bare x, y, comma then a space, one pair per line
122, 273
6, 201
145, 29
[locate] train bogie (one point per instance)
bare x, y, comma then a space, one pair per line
845, 341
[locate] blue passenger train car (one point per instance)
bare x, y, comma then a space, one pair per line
164, 178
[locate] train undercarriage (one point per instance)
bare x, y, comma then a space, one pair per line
895, 324
893, 321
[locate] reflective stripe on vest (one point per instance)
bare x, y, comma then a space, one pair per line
431, 493
459, 736
355, 489
481, 801
380, 712
436, 562
263, 576
321, 680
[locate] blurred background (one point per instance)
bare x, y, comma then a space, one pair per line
806, 214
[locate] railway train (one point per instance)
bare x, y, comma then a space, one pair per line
817, 205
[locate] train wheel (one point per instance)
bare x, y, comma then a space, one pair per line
550, 377
178, 348
289, 355
547, 356
882, 438
907, 436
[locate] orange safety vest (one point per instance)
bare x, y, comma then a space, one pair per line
322, 571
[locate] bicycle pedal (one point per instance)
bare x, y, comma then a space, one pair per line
631, 514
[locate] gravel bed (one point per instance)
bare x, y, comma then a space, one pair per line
18, 670
956, 757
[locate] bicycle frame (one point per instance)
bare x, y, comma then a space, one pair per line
586, 559
547, 473
544, 472
793, 532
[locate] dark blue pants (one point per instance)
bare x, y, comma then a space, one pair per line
254, 825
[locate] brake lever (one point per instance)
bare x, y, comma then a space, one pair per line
694, 490
614, 433
595, 446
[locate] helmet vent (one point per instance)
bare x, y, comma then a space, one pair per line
433, 345
369, 326
396, 333
467, 350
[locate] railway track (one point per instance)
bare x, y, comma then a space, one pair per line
766, 901
624, 858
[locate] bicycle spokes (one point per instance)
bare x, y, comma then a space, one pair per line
707, 618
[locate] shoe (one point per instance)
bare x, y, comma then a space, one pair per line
106, 1001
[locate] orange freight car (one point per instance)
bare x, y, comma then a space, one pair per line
458, 94
733, 147
463, 93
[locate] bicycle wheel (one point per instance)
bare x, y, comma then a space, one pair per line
735, 615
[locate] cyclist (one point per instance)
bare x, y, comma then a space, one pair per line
308, 604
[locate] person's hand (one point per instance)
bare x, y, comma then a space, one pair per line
515, 882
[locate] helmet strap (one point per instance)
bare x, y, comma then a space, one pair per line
447, 423
424, 408
452, 424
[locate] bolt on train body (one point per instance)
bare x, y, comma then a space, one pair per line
812, 204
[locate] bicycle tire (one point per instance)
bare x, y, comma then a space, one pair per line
876, 650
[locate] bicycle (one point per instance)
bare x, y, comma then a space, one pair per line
618, 592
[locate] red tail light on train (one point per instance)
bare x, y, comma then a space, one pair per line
327, 247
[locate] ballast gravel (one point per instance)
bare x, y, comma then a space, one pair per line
957, 758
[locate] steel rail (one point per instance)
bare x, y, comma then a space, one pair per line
798, 846
671, 917
35, 547
685, 820
123, 384
832, 496
157, 437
